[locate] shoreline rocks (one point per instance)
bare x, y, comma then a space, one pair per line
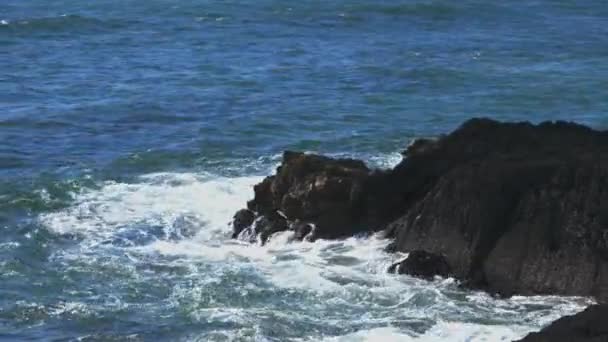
589, 325
338, 197
514, 207
511, 208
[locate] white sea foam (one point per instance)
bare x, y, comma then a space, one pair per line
443, 331
159, 199
387, 334
464, 332
386, 162
347, 278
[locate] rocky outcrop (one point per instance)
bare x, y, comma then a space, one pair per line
314, 189
513, 207
422, 264
516, 208
587, 326
322, 197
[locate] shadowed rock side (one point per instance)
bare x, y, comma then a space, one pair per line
517, 208
587, 326
512, 207
422, 264
321, 198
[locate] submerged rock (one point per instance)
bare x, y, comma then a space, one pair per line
513, 208
422, 264
590, 325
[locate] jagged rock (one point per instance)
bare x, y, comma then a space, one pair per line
422, 264
312, 188
269, 224
590, 325
513, 207
242, 219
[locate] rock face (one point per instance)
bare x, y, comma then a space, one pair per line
513, 207
314, 189
422, 264
242, 220
587, 326
341, 197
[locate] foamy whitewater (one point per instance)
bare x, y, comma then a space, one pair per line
161, 247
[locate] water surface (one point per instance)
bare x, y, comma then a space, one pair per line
131, 131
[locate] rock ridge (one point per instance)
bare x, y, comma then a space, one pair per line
512, 208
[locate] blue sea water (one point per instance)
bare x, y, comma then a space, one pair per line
130, 131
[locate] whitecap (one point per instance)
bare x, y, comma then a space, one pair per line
160, 199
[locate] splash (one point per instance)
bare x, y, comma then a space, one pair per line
327, 290
162, 199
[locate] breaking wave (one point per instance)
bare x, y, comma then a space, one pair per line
171, 230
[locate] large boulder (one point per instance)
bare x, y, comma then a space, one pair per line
587, 326
334, 194
512, 207
515, 208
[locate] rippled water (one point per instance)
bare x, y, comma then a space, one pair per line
131, 131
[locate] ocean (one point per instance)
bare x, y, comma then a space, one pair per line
131, 131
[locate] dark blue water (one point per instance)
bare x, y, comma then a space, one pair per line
130, 131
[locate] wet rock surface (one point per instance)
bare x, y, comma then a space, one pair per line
242, 220
341, 197
514, 208
590, 325
422, 264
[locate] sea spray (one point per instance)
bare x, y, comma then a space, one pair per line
306, 291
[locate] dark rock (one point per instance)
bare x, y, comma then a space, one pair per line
269, 224
419, 146
422, 264
301, 230
590, 325
311, 188
513, 207
242, 219
391, 247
